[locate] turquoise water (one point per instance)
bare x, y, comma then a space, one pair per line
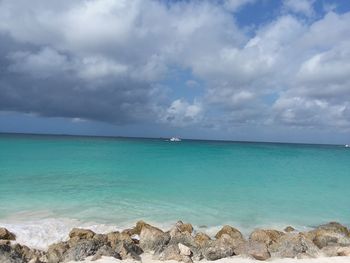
118, 180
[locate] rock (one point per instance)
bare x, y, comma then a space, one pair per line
289, 229
6, 235
184, 227
220, 248
188, 240
184, 250
231, 231
8, 254
344, 252
294, 245
81, 250
171, 252
105, 251
35, 260
256, 250
336, 228
335, 251
17, 253
55, 252
128, 250
152, 238
330, 234
267, 237
81, 233
137, 229
201, 239
114, 238
183, 238
103, 239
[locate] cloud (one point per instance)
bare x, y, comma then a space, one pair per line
110, 61
304, 7
180, 113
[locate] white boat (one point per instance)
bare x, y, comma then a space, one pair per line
347, 145
175, 139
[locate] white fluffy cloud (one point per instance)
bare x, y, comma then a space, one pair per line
110, 59
304, 7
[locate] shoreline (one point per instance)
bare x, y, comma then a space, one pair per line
182, 242
39, 233
235, 259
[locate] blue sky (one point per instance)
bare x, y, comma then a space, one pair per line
257, 70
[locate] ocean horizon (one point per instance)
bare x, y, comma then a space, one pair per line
52, 183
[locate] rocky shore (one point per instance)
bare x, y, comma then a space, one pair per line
182, 243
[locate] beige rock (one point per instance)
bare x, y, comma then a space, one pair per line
267, 237
182, 227
289, 229
6, 235
231, 231
80, 233
335, 227
201, 239
113, 238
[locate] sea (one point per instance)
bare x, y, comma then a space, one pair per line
49, 184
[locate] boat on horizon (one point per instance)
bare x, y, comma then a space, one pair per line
347, 145
175, 139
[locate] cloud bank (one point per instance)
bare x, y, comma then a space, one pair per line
111, 61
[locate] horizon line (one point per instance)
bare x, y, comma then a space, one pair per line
157, 138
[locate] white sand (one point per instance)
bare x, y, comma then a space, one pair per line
148, 259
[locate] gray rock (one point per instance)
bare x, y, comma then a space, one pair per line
17, 253
128, 250
294, 245
81, 250
171, 252
220, 248
329, 235
105, 251
184, 238
152, 238
256, 250
335, 251
10, 255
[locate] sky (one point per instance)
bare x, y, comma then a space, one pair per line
253, 70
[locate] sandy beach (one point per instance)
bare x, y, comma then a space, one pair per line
148, 259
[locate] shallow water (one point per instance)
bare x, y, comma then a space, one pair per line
117, 181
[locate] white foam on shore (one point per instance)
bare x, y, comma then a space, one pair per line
41, 233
